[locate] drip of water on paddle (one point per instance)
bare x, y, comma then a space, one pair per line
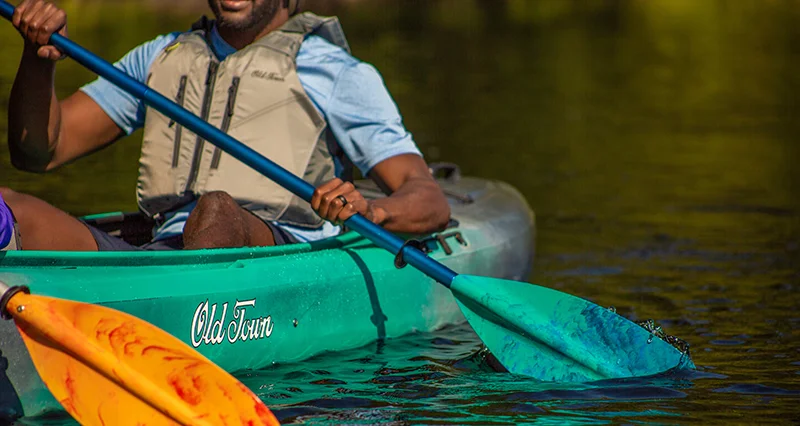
657, 331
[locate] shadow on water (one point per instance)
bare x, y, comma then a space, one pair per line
657, 142
9, 400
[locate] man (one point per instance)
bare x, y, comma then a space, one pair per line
282, 83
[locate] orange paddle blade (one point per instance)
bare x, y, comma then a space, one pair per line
107, 367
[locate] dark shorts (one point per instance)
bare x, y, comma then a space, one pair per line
106, 242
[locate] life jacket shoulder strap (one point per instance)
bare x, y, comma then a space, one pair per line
327, 27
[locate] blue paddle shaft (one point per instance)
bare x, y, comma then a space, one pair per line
241, 152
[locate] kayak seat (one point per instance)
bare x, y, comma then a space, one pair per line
133, 227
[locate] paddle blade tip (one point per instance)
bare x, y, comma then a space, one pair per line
554, 336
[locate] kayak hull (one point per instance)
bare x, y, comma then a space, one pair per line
251, 308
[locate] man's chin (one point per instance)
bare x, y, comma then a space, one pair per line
231, 13
234, 22
244, 15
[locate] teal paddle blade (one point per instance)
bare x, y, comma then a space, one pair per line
553, 336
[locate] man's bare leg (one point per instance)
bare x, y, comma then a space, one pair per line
219, 222
44, 227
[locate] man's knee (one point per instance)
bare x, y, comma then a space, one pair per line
216, 222
7, 193
26, 208
216, 201
217, 204
14, 199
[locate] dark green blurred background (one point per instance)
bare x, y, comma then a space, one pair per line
695, 99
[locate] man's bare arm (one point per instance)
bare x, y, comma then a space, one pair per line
44, 133
416, 203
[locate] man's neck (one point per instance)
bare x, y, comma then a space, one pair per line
240, 39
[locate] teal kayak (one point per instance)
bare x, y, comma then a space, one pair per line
250, 308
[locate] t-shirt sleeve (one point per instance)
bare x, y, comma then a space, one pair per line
125, 110
365, 119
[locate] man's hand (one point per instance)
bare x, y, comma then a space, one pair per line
37, 20
337, 201
415, 202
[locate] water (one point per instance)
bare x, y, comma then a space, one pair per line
657, 142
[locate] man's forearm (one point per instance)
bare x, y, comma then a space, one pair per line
417, 207
34, 114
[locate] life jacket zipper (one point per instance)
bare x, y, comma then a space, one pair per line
226, 120
179, 99
211, 79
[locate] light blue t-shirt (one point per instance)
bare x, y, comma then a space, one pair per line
350, 94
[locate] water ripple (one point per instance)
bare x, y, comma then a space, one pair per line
758, 389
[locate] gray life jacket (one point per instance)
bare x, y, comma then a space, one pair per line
255, 96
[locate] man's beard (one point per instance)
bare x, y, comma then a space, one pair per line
262, 13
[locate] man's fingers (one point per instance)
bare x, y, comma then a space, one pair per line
44, 52
37, 21
16, 18
334, 210
38, 29
327, 202
331, 200
316, 199
61, 17
355, 204
54, 21
27, 18
49, 52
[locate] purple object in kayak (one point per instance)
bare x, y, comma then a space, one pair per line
6, 224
